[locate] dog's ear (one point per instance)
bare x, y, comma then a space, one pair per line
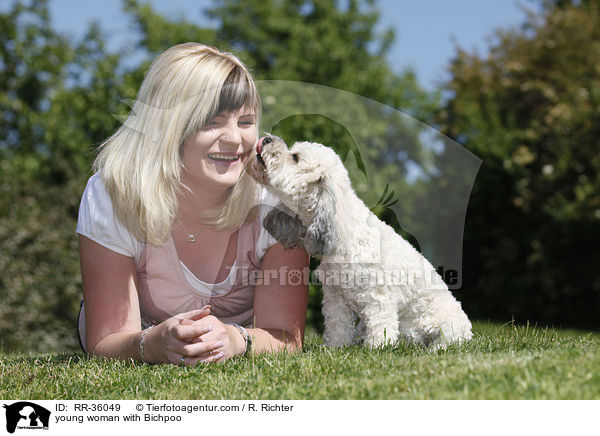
284, 225
322, 234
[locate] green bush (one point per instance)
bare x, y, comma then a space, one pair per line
40, 285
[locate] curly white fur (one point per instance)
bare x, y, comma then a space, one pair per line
358, 251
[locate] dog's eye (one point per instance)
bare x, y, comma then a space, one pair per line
295, 157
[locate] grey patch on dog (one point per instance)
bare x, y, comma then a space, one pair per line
284, 225
322, 236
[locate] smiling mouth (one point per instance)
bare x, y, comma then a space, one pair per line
224, 157
227, 157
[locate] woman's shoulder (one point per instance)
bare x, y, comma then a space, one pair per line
266, 198
265, 203
96, 199
95, 190
96, 180
97, 221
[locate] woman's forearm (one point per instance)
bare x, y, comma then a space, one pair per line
122, 345
126, 345
266, 340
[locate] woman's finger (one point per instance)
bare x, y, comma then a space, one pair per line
198, 339
194, 314
174, 358
213, 356
191, 331
200, 348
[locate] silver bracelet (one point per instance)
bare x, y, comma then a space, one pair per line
247, 338
142, 342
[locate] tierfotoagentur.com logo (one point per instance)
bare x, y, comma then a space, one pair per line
26, 416
345, 276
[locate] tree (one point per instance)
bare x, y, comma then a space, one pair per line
529, 109
56, 100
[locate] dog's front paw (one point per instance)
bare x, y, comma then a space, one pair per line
339, 339
381, 338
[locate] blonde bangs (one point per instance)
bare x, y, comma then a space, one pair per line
237, 91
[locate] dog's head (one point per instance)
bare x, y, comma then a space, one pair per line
305, 179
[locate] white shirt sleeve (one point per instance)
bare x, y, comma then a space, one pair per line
98, 222
266, 202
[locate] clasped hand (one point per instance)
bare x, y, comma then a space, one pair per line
192, 337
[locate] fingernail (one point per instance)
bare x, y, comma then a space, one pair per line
219, 344
218, 356
205, 307
209, 328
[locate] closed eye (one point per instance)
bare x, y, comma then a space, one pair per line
295, 157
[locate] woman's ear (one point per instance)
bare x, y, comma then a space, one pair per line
322, 236
285, 226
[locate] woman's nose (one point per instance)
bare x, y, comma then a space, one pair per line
232, 133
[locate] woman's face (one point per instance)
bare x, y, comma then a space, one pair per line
214, 156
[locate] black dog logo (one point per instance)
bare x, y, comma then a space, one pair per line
30, 413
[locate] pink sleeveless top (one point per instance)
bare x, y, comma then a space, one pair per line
164, 291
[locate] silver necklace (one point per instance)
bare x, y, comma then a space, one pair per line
190, 236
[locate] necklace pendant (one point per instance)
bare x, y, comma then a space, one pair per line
191, 238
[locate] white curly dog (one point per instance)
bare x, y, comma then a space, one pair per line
369, 273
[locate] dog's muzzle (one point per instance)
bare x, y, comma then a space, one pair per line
267, 149
265, 140
262, 142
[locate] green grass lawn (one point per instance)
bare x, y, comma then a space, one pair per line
501, 362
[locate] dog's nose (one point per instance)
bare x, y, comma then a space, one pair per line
262, 142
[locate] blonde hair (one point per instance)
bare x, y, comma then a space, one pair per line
140, 164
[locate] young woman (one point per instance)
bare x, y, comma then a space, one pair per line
176, 266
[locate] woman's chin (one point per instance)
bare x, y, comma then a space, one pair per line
226, 180
211, 177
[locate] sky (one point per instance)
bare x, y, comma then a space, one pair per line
427, 31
